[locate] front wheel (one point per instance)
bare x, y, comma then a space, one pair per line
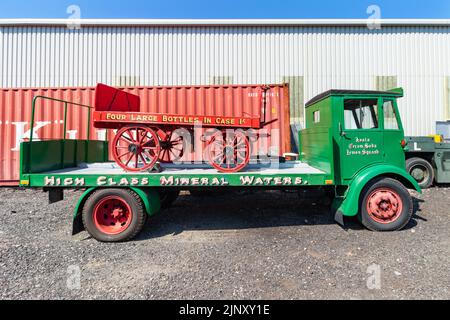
113, 215
386, 205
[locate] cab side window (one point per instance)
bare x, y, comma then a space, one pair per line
361, 114
390, 118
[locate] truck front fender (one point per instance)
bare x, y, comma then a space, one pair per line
349, 206
149, 197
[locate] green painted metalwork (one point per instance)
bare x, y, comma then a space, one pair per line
66, 104
317, 139
173, 180
77, 223
50, 155
150, 198
81, 201
393, 151
398, 92
63, 140
349, 204
351, 149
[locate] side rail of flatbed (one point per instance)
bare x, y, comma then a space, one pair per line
50, 154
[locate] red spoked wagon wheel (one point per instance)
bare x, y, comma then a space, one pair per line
172, 146
136, 148
229, 152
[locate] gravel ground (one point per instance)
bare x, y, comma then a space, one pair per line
268, 245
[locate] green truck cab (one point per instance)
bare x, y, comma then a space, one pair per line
353, 146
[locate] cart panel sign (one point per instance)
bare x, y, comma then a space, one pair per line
142, 118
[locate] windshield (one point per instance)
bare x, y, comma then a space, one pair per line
361, 114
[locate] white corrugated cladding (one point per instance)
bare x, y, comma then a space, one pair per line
344, 57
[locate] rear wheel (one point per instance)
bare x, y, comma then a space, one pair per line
386, 205
113, 215
421, 170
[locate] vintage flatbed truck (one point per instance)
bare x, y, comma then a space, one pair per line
353, 147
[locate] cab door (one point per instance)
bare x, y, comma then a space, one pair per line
361, 135
393, 151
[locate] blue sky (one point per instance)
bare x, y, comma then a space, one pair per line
222, 9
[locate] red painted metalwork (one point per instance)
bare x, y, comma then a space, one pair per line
172, 146
214, 100
137, 146
384, 205
110, 99
112, 215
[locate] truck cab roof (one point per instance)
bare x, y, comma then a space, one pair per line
397, 93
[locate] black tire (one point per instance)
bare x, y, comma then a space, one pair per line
394, 187
138, 215
168, 197
421, 170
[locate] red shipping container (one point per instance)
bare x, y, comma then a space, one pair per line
227, 101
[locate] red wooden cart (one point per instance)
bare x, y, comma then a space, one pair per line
144, 138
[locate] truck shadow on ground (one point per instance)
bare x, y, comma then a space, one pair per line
270, 209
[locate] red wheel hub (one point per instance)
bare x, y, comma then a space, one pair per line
136, 148
112, 215
172, 146
384, 205
229, 152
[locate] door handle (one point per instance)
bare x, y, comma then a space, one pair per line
341, 131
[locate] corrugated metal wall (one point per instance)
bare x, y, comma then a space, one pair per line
326, 57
